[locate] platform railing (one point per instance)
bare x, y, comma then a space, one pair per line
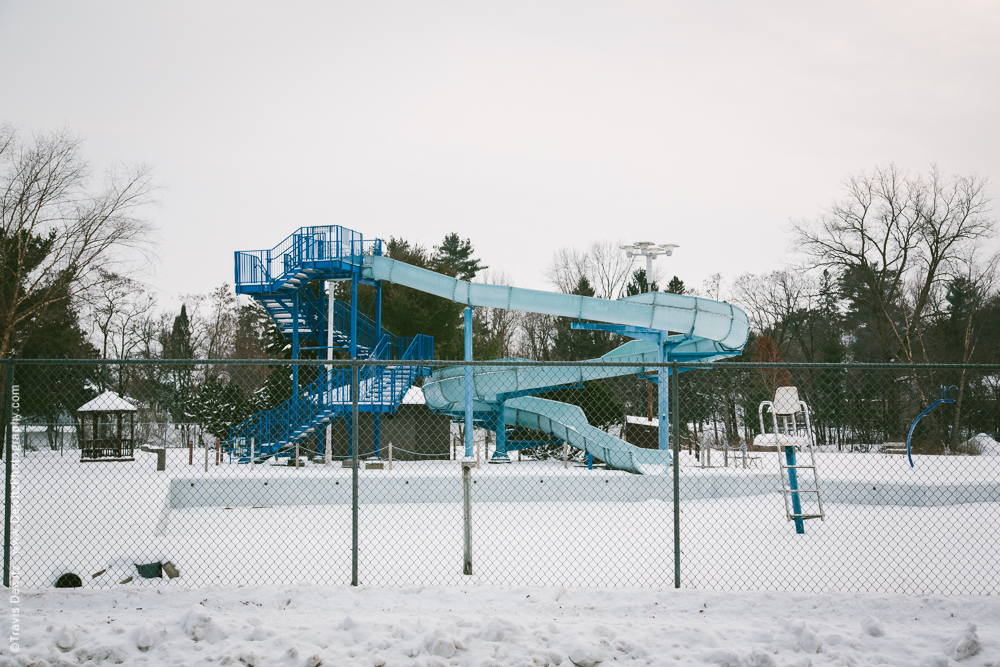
302, 249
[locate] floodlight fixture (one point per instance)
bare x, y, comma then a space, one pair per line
650, 251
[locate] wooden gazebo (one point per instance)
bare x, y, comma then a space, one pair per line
106, 434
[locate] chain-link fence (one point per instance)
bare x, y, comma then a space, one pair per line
261, 472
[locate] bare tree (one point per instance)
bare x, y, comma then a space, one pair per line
772, 299
537, 336
496, 329
56, 232
603, 264
979, 282
610, 269
120, 309
219, 323
900, 236
566, 268
712, 287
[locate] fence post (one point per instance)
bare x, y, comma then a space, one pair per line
676, 423
466, 517
8, 456
354, 472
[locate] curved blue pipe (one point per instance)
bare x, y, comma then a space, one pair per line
946, 397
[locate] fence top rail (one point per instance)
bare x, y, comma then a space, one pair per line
498, 363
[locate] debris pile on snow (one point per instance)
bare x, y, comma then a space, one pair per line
309, 626
966, 644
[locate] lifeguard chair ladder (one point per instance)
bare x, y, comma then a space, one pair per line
788, 434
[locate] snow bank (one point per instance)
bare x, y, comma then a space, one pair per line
489, 626
982, 442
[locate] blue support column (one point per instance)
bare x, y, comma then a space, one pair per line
663, 402
469, 389
354, 315
793, 485
295, 342
590, 461
500, 424
377, 416
378, 309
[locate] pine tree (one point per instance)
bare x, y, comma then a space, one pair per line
454, 258
55, 392
571, 344
676, 286
640, 284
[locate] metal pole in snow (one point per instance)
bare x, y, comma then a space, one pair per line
467, 517
469, 388
327, 450
354, 472
9, 465
675, 379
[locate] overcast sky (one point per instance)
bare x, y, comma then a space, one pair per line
525, 126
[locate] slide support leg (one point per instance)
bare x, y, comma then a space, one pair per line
663, 402
499, 423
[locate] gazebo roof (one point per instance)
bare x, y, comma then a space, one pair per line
109, 401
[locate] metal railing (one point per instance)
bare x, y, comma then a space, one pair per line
304, 247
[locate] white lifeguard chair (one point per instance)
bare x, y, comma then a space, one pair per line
792, 430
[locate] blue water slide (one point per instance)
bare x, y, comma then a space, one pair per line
705, 329
714, 324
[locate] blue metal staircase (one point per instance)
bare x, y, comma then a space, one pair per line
274, 432
278, 279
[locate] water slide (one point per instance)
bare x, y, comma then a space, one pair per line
707, 330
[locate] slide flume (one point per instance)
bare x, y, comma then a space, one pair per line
707, 330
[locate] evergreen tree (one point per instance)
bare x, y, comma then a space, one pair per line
178, 344
640, 284
454, 258
408, 312
676, 286
51, 394
571, 344
866, 321
218, 404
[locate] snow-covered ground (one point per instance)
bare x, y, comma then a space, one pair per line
89, 518
483, 626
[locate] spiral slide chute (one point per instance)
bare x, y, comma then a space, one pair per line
568, 423
445, 389
707, 330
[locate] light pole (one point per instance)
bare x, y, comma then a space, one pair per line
650, 251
